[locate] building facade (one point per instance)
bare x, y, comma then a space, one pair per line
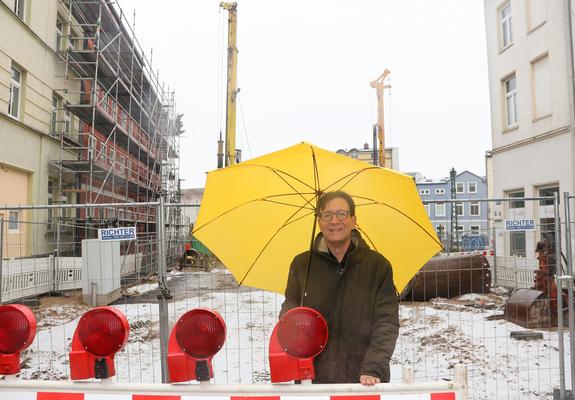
83, 119
472, 216
531, 93
370, 155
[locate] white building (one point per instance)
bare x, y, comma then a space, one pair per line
531, 113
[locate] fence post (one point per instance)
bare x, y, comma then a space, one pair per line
559, 282
162, 298
571, 310
1, 256
493, 247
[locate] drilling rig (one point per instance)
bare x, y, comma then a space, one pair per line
231, 156
379, 85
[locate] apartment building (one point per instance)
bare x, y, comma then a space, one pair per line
369, 155
472, 215
530, 83
83, 119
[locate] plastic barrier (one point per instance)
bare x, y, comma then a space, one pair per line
14, 389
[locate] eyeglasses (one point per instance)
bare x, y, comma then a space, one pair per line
341, 215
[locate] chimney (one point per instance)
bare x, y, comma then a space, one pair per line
365, 146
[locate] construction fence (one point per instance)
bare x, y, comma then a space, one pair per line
453, 312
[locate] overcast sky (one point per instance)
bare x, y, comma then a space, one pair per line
304, 68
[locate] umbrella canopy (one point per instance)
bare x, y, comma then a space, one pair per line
257, 215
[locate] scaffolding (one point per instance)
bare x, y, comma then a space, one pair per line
119, 122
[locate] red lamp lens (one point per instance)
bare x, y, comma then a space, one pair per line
200, 333
102, 332
302, 332
14, 330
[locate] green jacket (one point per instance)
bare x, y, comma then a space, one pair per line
360, 306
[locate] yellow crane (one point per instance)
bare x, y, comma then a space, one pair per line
232, 84
380, 86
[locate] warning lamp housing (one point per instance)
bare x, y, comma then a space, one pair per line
100, 334
17, 332
197, 336
299, 336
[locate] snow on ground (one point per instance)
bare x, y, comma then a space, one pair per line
434, 337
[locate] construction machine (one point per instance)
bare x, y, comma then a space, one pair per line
537, 307
231, 156
380, 86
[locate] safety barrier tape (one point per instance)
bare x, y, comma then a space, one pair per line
8, 395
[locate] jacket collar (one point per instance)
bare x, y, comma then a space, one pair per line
320, 245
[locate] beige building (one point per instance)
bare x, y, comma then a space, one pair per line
367, 154
531, 90
31, 77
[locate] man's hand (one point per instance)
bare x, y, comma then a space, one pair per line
368, 380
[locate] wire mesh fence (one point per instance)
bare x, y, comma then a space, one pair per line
464, 307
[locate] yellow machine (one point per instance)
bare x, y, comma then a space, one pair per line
230, 157
379, 86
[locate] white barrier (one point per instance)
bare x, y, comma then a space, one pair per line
56, 390
29, 277
513, 271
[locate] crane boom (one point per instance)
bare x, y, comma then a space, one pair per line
379, 85
232, 84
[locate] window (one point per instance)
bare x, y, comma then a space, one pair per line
112, 155
459, 187
439, 191
427, 209
506, 27
516, 203
19, 8
424, 192
91, 147
13, 222
54, 116
474, 229
102, 154
541, 87
474, 209
15, 84
59, 33
471, 187
511, 101
459, 209
441, 231
440, 209
459, 229
67, 120
517, 244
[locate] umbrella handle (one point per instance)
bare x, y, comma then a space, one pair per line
308, 264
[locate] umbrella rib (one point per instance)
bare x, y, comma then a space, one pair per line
252, 201
374, 202
286, 223
277, 172
351, 177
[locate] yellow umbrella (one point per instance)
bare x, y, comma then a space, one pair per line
257, 215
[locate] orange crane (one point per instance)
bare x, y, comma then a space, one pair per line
380, 86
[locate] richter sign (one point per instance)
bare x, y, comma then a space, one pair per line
124, 233
519, 224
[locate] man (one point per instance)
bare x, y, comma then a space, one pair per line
352, 287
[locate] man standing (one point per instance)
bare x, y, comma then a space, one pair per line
352, 287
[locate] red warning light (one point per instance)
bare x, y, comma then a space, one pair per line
302, 332
299, 336
100, 334
17, 332
197, 336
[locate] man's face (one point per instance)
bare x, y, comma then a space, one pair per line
336, 231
